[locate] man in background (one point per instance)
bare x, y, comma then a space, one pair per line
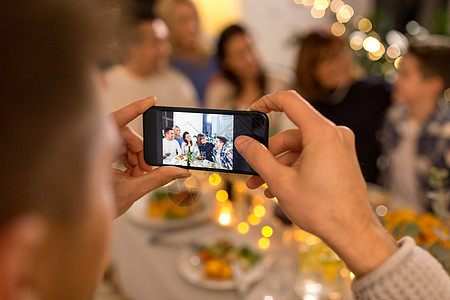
170, 147
145, 69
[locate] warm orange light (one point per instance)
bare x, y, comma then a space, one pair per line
317, 14
397, 62
337, 29
239, 187
225, 218
263, 243
267, 231
352, 275
345, 13
222, 195
259, 211
336, 5
243, 228
214, 179
312, 240
364, 25
321, 4
253, 220
344, 272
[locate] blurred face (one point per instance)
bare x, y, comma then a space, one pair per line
411, 85
203, 140
333, 70
188, 137
240, 57
153, 52
74, 256
177, 131
169, 135
218, 143
186, 26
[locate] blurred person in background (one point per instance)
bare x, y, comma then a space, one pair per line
416, 134
188, 145
242, 79
329, 78
145, 69
190, 53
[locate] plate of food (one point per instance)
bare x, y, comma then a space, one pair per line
221, 264
158, 210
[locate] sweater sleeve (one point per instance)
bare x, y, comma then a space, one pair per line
410, 273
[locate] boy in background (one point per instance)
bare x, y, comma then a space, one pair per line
416, 134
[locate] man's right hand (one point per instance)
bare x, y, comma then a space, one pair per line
314, 173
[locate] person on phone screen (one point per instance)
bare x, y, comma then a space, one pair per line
205, 148
171, 148
188, 145
221, 156
178, 137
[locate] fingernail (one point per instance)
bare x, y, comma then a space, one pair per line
151, 98
241, 143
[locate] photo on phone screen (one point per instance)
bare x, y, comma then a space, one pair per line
205, 137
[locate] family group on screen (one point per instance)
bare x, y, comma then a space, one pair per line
205, 152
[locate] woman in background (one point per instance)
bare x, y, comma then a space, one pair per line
188, 145
177, 132
329, 78
190, 55
205, 148
241, 80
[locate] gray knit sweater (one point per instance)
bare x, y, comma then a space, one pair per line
411, 273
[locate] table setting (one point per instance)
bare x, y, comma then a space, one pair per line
223, 241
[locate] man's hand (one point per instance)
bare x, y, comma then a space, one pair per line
139, 178
314, 173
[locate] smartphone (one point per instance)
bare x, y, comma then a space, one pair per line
207, 137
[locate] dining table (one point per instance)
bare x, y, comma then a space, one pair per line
150, 260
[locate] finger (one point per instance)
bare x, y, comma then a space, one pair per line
287, 159
128, 113
142, 163
259, 158
157, 178
284, 141
132, 159
255, 182
133, 140
298, 110
268, 193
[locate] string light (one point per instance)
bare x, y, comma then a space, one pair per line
267, 231
317, 14
259, 211
243, 227
321, 4
222, 196
263, 243
336, 5
214, 179
253, 220
337, 29
365, 25
345, 13
371, 44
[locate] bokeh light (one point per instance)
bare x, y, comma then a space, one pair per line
393, 51
317, 14
397, 62
222, 195
239, 187
356, 42
225, 218
365, 25
371, 44
267, 231
243, 227
214, 179
377, 54
336, 5
344, 272
259, 211
308, 2
321, 4
253, 220
345, 13
337, 29
352, 275
263, 243
312, 240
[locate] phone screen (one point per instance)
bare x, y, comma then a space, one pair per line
201, 139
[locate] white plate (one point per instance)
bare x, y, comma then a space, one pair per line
138, 215
195, 275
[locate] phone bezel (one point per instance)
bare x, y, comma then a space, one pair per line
150, 135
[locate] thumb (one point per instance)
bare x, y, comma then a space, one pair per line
259, 158
158, 177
